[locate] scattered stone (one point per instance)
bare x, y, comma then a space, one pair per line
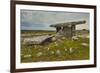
39, 54
75, 38
52, 52
84, 44
48, 48
71, 50
58, 52
56, 43
65, 49
54, 39
26, 56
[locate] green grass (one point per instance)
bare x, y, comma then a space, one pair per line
79, 52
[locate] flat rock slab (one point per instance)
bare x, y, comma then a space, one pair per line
36, 40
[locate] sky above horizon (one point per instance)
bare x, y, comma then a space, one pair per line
41, 20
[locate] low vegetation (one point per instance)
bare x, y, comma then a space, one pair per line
59, 50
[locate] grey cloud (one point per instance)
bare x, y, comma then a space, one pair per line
52, 17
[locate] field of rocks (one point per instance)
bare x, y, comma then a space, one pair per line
58, 50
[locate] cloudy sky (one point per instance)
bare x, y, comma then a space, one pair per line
41, 20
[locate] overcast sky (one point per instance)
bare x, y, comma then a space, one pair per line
41, 20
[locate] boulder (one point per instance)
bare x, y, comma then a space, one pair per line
52, 52
39, 54
58, 52
75, 38
71, 50
54, 39
84, 44
27, 56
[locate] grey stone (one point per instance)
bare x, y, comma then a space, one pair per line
75, 38
84, 44
39, 54
26, 56
52, 52
58, 52
71, 50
